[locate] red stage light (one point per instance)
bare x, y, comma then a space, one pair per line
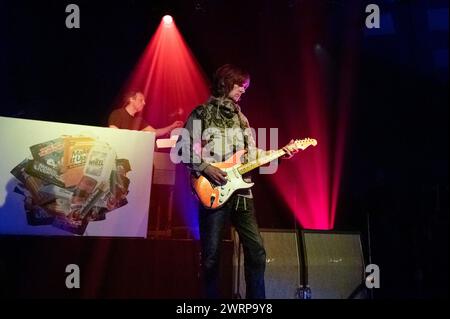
173, 84
167, 19
314, 196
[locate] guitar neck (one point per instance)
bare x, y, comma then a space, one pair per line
245, 168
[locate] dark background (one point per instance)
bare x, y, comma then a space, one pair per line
396, 164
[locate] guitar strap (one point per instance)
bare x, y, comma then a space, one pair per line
243, 127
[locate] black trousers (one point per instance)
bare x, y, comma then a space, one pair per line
240, 211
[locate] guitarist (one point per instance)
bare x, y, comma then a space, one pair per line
219, 113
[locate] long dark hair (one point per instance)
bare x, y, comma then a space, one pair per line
226, 77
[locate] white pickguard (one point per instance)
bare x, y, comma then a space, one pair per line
234, 183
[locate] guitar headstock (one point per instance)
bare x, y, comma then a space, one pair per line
304, 143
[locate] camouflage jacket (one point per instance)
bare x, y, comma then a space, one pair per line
217, 130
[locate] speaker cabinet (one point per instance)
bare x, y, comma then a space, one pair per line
333, 264
282, 275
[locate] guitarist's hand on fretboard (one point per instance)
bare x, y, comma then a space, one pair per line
290, 150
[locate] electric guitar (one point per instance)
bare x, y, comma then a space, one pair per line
214, 196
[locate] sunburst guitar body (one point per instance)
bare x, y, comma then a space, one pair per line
214, 196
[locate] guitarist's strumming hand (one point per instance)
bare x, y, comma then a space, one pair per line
216, 174
290, 150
